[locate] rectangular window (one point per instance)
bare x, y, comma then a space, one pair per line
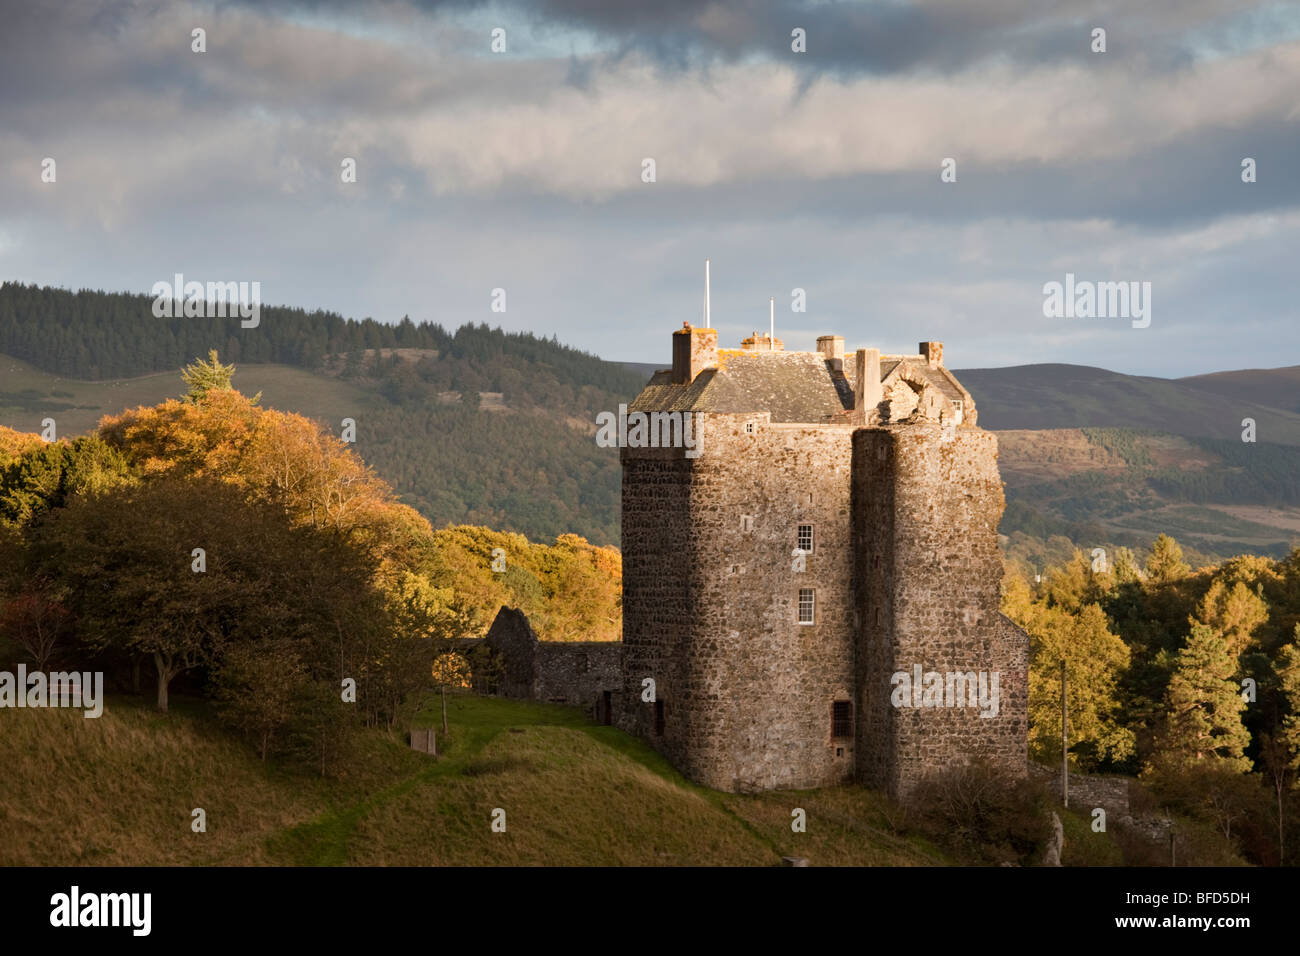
805, 538
659, 718
746, 523
749, 428
842, 718
807, 605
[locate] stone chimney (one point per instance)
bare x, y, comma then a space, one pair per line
867, 393
932, 352
831, 348
762, 342
694, 350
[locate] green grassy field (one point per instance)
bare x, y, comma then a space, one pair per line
119, 790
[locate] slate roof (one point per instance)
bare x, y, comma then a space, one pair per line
792, 386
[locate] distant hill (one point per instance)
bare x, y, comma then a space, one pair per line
1078, 396
476, 426
1275, 387
480, 426
645, 369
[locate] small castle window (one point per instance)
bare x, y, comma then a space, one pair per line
750, 428
807, 605
805, 538
659, 718
842, 718
746, 523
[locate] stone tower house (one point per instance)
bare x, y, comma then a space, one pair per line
830, 541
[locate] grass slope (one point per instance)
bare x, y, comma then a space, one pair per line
119, 791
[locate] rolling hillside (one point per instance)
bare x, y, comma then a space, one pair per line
1274, 387
491, 428
1077, 396
1107, 487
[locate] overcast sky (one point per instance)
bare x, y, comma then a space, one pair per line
819, 170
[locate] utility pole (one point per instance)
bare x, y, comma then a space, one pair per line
1065, 747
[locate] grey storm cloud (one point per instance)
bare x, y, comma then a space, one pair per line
817, 171
880, 37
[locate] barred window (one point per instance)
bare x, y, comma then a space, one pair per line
805, 538
842, 718
807, 604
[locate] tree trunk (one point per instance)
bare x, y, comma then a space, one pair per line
1281, 840
164, 678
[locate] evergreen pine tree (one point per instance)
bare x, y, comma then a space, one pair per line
1203, 706
203, 377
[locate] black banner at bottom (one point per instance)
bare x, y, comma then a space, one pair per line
333, 906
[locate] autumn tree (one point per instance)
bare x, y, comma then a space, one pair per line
1095, 659
130, 557
1288, 675
1236, 612
1165, 564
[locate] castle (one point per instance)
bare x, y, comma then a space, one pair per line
811, 597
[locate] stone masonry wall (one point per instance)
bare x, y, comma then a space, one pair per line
931, 592
571, 672
576, 673
748, 706
657, 555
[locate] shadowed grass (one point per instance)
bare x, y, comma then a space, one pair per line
119, 791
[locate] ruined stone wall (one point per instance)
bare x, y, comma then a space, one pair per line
514, 644
576, 673
1088, 791
749, 706
931, 572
